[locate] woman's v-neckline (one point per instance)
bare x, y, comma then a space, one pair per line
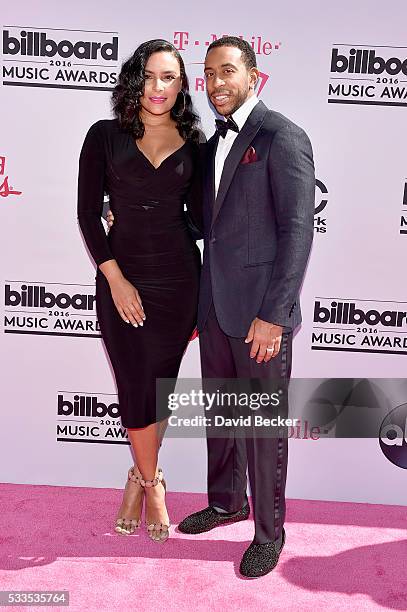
165, 158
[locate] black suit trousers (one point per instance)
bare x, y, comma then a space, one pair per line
229, 458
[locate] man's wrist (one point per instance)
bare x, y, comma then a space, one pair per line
269, 322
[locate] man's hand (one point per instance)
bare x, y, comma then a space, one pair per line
109, 218
264, 335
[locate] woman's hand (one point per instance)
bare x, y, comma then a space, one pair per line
127, 301
125, 296
109, 218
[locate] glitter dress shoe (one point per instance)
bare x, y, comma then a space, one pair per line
260, 559
126, 525
209, 518
158, 532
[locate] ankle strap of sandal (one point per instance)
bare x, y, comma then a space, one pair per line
145, 483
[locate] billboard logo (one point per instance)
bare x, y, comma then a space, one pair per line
58, 58
359, 326
89, 417
51, 309
360, 74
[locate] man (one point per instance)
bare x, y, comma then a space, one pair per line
259, 196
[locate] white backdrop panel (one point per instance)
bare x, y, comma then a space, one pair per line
359, 157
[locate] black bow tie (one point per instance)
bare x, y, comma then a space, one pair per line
223, 126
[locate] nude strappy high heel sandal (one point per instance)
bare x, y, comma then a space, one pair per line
126, 526
158, 532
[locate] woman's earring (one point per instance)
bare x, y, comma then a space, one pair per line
183, 108
135, 107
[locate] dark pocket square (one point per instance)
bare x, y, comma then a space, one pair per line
250, 156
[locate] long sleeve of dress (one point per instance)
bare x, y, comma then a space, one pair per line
91, 180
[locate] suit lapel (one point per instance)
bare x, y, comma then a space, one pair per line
210, 171
241, 143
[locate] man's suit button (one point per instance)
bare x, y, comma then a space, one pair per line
213, 240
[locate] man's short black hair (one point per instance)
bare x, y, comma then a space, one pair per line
248, 54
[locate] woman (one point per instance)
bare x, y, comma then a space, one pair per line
147, 160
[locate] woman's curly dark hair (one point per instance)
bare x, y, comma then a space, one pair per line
130, 87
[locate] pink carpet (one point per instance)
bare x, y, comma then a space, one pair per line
338, 556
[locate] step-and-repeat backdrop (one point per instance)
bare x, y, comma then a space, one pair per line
340, 72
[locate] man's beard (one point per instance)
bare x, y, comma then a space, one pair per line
240, 100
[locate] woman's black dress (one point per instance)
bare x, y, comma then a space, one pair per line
153, 245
